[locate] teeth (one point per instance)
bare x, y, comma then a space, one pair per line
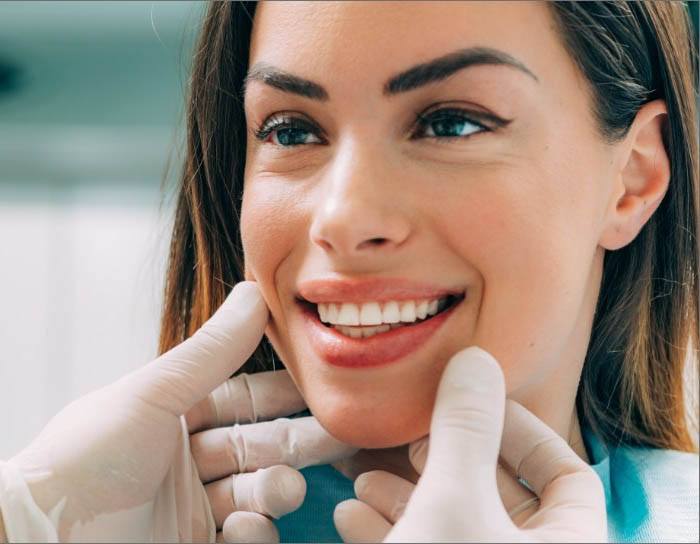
371, 314
349, 314
408, 312
433, 307
323, 312
332, 315
363, 332
391, 312
379, 314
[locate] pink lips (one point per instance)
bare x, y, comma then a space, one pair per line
383, 348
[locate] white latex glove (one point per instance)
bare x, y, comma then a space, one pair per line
115, 465
247, 468
457, 496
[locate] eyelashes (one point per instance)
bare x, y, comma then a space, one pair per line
288, 128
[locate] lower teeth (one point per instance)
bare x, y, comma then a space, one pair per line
366, 332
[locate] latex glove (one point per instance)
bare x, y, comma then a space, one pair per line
115, 464
457, 495
247, 468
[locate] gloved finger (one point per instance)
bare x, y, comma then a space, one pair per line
186, 374
520, 503
568, 488
385, 492
465, 437
249, 527
247, 398
273, 492
299, 443
418, 453
356, 521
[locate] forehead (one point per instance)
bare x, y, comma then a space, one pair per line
343, 42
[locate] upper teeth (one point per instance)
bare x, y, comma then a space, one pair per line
374, 313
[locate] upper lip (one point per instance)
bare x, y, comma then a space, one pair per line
359, 290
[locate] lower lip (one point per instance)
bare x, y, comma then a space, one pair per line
381, 349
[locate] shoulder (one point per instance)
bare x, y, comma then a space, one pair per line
653, 495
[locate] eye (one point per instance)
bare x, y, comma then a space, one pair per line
289, 131
444, 125
448, 124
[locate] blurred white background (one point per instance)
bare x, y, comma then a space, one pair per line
91, 100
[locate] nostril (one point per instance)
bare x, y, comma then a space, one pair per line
376, 242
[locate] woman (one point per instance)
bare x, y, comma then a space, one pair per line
535, 163
531, 193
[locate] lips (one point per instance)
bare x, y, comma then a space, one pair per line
380, 349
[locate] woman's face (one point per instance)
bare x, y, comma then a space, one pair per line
498, 195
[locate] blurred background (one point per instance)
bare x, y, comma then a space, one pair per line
91, 100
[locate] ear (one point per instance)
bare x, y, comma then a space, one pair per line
642, 181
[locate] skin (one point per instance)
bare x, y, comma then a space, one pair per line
520, 216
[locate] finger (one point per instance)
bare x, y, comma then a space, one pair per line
418, 453
296, 442
467, 421
356, 521
186, 374
520, 503
273, 492
567, 487
385, 492
249, 527
247, 398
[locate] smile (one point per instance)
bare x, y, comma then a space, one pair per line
371, 318
372, 323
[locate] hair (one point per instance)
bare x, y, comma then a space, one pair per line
647, 318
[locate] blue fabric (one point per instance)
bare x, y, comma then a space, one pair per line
651, 496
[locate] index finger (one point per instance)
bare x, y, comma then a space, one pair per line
298, 442
247, 398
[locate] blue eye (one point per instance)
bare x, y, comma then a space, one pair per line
444, 125
289, 131
448, 124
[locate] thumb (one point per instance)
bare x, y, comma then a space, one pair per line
467, 421
186, 374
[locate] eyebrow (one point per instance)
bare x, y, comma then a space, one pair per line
417, 76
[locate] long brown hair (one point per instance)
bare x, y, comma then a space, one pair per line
647, 318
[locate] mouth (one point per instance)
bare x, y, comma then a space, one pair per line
374, 333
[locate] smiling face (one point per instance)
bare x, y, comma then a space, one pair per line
497, 192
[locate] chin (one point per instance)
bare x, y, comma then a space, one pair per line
371, 426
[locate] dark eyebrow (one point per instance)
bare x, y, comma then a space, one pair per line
417, 76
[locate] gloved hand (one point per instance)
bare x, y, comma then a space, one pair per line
457, 495
233, 461
115, 465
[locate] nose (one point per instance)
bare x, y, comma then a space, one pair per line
360, 212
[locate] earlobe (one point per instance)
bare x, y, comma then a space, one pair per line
642, 182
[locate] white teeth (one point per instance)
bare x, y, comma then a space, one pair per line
371, 314
323, 312
332, 315
422, 309
349, 314
391, 312
363, 332
433, 307
376, 314
355, 332
408, 311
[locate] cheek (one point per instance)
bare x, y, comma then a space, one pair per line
530, 239
270, 226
